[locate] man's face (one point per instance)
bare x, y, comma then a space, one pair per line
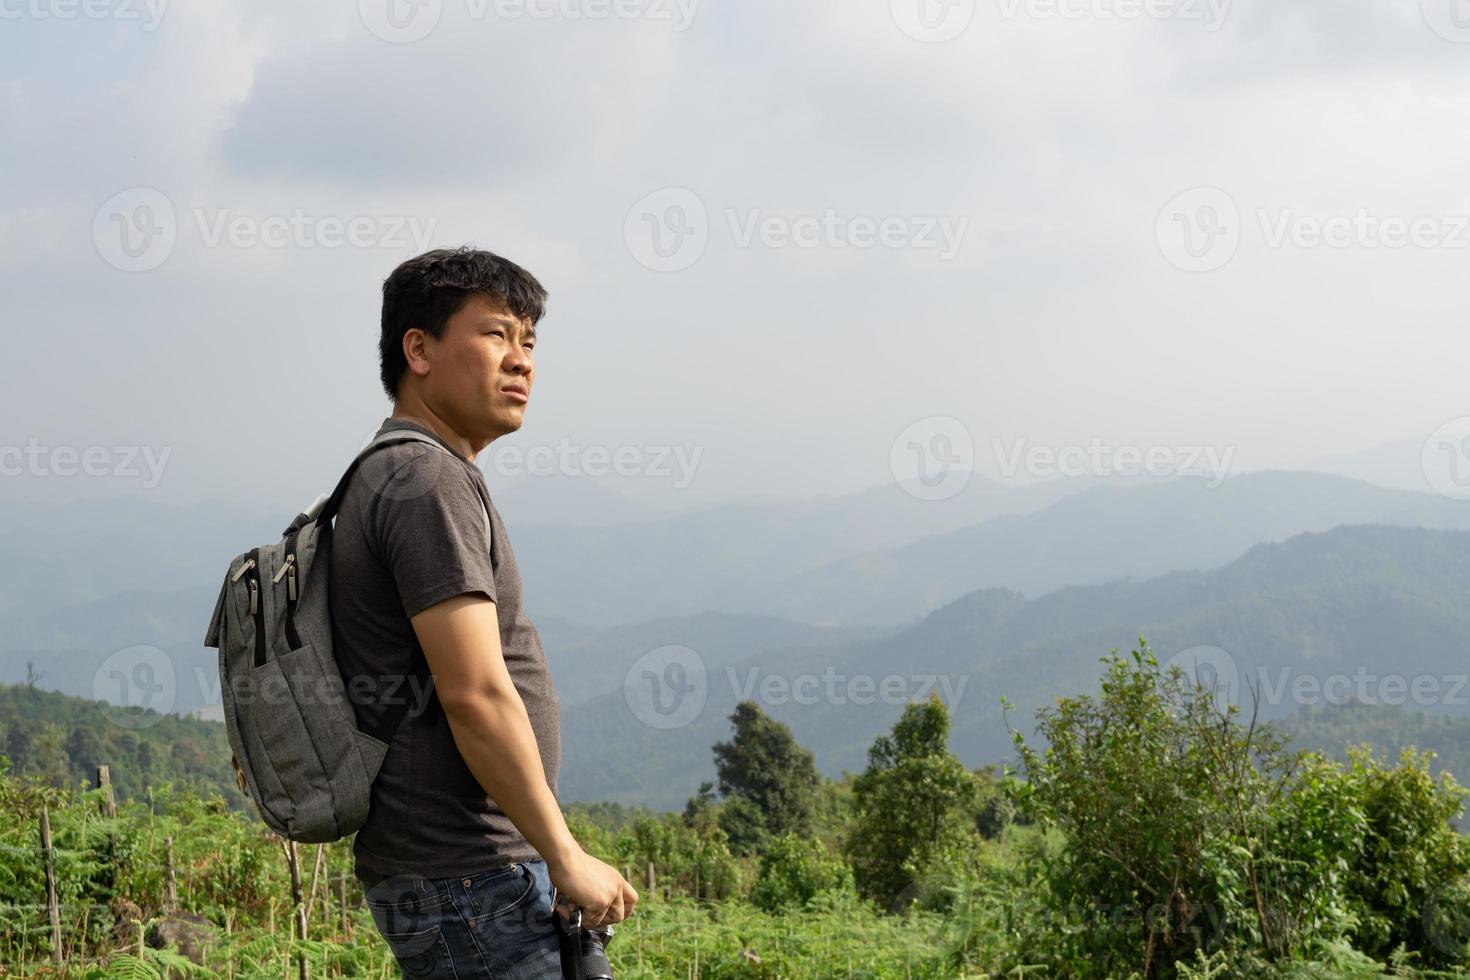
485, 350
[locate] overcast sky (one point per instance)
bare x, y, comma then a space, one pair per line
789, 241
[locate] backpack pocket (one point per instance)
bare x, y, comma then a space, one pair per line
289, 686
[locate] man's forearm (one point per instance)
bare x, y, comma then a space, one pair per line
494, 735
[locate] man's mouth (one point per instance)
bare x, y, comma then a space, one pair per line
517, 391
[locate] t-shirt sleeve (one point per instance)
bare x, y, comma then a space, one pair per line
430, 524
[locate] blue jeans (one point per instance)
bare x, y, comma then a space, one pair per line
493, 924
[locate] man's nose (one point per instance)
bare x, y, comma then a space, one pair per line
519, 360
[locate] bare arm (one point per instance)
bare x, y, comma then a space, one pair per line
461, 640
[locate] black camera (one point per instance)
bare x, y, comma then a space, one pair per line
583, 951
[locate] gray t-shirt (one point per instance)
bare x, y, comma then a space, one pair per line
410, 533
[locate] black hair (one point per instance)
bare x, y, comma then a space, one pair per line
428, 289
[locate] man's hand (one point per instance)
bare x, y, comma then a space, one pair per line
594, 886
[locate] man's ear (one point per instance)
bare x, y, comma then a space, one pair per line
415, 343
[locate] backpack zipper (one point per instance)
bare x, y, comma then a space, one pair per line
288, 571
257, 609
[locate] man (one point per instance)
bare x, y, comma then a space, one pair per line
464, 838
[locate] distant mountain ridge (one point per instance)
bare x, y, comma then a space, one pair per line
1388, 599
1100, 535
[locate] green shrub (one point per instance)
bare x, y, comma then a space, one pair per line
794, 869
1409, 886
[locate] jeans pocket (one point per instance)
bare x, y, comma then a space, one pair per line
497, 894
420, 954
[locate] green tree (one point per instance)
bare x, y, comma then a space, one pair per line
84, 749
18, 745
1163, 806
702, 811
914, 806
763, 765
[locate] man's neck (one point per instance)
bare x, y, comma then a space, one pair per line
414, 410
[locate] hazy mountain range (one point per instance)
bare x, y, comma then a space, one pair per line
1299, 621
1003, 589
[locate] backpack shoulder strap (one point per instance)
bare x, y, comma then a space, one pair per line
325, 507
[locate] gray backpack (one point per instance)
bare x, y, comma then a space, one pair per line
294, 732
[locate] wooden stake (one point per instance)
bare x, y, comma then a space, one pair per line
104, 782
316, 872
294, 864
52, 909
170, 882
